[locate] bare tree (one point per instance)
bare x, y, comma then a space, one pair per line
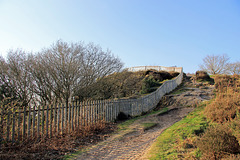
6, 90
56, 74
18, 77
42, 81
215, 64
70, 66
234, 68
97, 63
61, 68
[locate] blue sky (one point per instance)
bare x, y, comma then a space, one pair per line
139, 32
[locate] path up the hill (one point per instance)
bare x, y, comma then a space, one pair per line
134, 142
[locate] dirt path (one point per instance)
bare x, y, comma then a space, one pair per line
133, 143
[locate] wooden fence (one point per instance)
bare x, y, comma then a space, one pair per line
53, 120
158, 68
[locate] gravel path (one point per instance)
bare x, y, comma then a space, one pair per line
134, 143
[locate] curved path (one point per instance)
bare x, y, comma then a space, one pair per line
134, 143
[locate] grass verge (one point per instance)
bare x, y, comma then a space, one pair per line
177, 141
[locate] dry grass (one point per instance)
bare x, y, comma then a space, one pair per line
222, 140
217, 141
57, 146
224, 107
224, 82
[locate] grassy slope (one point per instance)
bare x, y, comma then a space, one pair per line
177, 141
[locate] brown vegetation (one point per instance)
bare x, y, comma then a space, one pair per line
56, 147
202, 76
224, 82
226, 105
217, 141
222, 139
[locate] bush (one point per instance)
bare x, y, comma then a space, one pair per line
161, 75
202, 75
223, 82
148, 84
174, 74
235, 127
224, 107
232, 157
216, 142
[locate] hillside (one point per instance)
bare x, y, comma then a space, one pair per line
211, 131
134, 137
126, 84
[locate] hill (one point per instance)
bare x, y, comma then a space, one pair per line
126, 84
211, 131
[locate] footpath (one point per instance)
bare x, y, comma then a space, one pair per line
134, 142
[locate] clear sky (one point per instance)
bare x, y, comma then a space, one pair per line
139, 32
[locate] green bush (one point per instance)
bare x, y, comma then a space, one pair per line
149, 84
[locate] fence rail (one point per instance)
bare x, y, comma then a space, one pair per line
48, 121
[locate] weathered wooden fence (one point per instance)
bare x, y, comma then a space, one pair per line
158, 68
48, 121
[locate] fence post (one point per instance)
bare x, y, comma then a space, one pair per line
19, 123
83, 113
78, 113
47, 120
8, 125
90, 112
62, 118
24, 122
29, 121
13, 126
72, 115
34, 116
51, 121
69, 117
66, 116
54, 118
43, 117
58, 118
38, 122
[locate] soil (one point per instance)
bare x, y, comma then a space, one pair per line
134, 142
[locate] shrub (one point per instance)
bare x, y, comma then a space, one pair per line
217, 141
202, 76
224, 107
174, 74
161, 75
148, 84
223, 82
232, 157
235, 127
